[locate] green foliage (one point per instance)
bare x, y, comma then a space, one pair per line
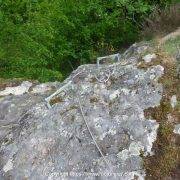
40, 39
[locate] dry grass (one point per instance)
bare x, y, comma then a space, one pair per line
162, 22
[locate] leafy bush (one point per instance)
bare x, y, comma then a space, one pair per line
40, 39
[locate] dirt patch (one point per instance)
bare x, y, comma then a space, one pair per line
56, 100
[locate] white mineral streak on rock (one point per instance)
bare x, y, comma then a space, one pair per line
156, 72
85, 87
18, 90
140, 175
149, 57
123, 155
173, 101
114, 95
125, 91
152, 76
159, 70
8, 166
125, 117
134, 150
42, 88
141, 116
151, 137
112, 131
177, 129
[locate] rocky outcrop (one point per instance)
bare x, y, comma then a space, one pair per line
41, 143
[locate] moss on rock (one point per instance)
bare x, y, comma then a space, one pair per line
165, 161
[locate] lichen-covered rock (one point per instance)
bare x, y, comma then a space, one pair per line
149, 57
173, 101
18, 90
42, 143
177, 129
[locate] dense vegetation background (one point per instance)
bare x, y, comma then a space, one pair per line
42, 39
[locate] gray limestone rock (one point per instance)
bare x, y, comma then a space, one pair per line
177, 129
41, 143
149, 57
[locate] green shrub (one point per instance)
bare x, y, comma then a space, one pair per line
40, 39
